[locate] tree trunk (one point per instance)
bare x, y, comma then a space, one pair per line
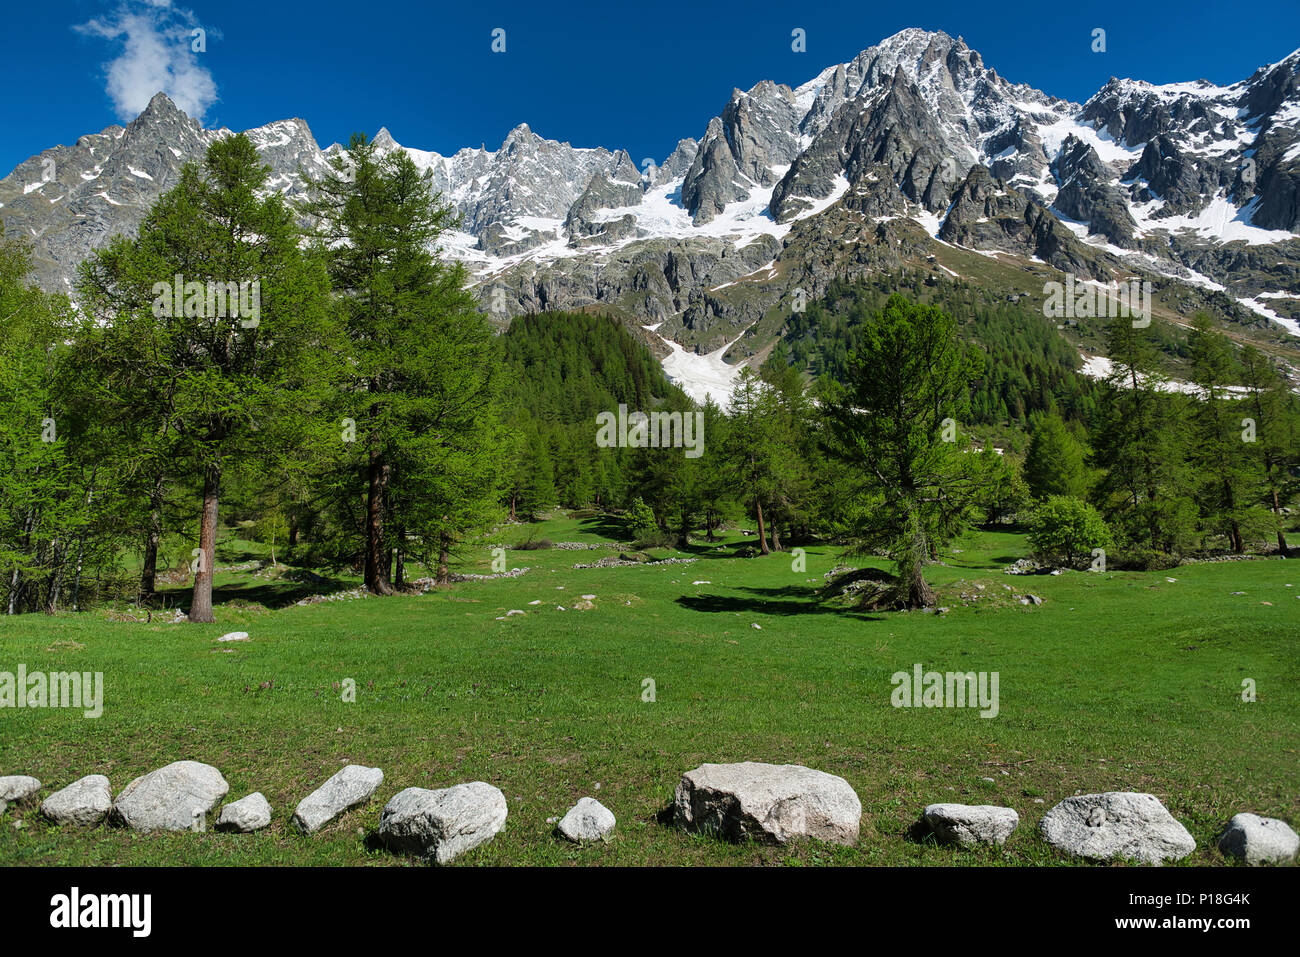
776, 536
1234, 528
513, 496
444, 557
76, 574
201, 603
16, 582
81, 545
762, 532
57, 557
376, 579
1277, 511
919, 593
149, 575
293, 531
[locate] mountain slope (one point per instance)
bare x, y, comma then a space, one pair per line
912, 150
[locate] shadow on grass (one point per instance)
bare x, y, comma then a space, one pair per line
789, 600
273, 594
606, 526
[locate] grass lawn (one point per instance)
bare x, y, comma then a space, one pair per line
1117, 681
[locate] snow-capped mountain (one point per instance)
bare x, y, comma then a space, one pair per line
913, 146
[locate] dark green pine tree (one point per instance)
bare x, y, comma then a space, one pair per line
58, 506
422, 383
237, 359
1222, 460
907, 386
1054, 463
1271, 428
1140, 443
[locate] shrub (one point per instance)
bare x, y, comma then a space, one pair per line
1142, 558
656, 538
533, 544
1065, 530
641, 519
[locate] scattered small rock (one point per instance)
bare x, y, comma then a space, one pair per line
1259, 840
248, 814
176, 797
588, 820
439, 825
348, 788
971, 824
18, 787
768, 802
1117, 824
85, 801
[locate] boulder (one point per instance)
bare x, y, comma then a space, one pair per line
439, 825
1116, 824
173, 798
248, 814
588, 820
971, 824
18, 787
767, 802
350, 787
234, 636
1259, 840
86, 801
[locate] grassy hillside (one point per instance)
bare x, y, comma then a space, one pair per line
1116, 681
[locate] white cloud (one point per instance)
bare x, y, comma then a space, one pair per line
153, 40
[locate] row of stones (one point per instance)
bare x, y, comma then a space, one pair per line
744, 801
437, 825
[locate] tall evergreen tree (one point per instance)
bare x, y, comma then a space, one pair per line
907, 386
1054, 463
1221, 459
1271, 424
214, 313
422, 385
1141, 444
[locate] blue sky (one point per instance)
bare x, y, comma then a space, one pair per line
632, 75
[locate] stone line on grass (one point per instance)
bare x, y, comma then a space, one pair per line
767, 803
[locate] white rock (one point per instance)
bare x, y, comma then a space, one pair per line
442, 824
348, 788
588, 820
4, 806
971, 824
18, 787
1117, 824
86, 801
775, 803
234, 636
246, 815
173, 798
1259, 840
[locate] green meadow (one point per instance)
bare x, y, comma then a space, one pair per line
1116, 681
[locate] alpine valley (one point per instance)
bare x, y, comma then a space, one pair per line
915, 156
